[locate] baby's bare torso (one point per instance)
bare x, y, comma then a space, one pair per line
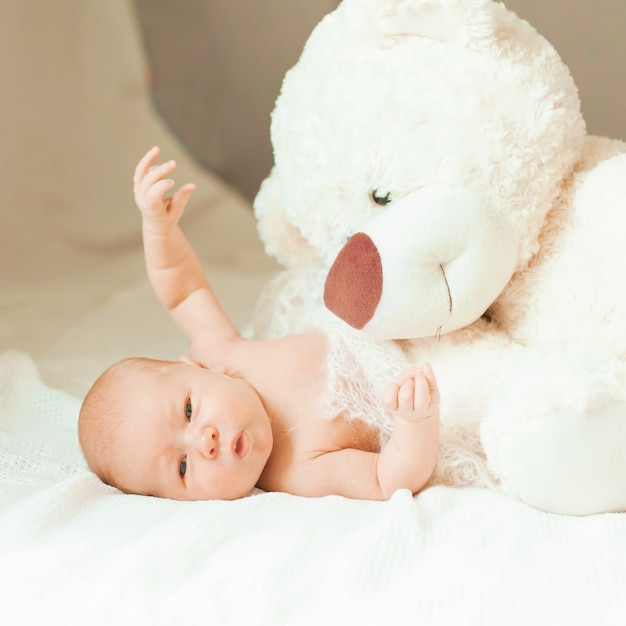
290, 375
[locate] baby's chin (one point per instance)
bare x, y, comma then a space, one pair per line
239, 487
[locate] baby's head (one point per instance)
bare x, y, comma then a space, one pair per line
175, 430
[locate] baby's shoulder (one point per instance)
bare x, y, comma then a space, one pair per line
299, 354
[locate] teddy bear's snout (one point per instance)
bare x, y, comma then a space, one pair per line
354, 283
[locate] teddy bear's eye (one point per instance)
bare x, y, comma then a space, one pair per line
380, 198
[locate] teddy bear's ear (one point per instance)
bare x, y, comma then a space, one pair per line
445, 20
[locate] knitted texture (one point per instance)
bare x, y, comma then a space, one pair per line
359, 368
38, 444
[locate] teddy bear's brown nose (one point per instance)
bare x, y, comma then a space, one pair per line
355, 282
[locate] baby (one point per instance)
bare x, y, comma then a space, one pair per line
239, 413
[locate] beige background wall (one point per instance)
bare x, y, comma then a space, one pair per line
217, 68
590, 36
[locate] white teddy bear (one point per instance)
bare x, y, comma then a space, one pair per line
434, 183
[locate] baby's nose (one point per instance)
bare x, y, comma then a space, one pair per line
209, 440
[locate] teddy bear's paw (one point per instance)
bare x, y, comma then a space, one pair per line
555, 435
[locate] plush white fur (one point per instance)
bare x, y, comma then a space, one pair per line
500, 203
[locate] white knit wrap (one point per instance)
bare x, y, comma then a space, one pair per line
359, 368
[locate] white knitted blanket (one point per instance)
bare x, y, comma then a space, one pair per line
38, 445
74, 551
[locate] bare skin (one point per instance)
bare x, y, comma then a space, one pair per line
252, 405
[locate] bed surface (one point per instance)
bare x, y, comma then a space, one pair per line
73, 298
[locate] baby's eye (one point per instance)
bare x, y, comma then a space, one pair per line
182, 468
188, 410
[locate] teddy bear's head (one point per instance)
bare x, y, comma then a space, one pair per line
431, 135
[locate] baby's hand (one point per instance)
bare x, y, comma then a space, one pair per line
150, 186
413, 395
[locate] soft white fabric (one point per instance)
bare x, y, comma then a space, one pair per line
449, 556
37, 431
76, 552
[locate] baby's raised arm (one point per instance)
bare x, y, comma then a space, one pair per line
173, 268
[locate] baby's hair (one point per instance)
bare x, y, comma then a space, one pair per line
102, 412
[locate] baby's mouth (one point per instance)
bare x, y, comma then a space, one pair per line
242, 445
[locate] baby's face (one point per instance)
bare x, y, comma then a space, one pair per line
192, 434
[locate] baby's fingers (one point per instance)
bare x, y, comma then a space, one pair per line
399, 396
413, 395
433, 389
145, 163
406, 395
155, 174
155, 194
389, 397
421, 392
391, 394
179, 200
